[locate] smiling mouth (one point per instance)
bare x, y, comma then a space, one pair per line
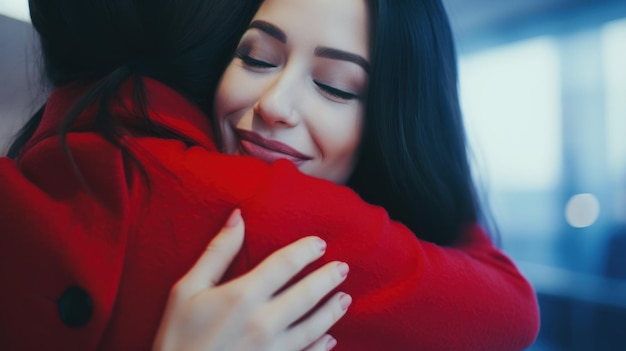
252, 144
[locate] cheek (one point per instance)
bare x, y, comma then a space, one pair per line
339, 138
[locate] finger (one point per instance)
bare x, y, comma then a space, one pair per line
300, 298
310, 329
276, 270
325, 343
218, 255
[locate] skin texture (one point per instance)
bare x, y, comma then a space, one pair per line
301, 87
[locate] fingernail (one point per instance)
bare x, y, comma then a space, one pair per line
234, 219
332, 342
321, 244
344, 301
343, 269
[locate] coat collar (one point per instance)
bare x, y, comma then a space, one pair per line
166, 108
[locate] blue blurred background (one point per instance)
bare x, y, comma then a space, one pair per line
543, 88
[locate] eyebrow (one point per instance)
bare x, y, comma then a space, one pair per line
269, 29
320, 51
336, 54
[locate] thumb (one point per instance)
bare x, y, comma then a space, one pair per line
219, 254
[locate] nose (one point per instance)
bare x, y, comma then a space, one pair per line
276, 106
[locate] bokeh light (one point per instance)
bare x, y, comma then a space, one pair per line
582, 210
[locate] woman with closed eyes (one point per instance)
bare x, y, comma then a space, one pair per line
363, 93
115, 187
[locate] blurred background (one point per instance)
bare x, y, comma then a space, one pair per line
543, 88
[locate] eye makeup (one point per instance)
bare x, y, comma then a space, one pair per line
256, 53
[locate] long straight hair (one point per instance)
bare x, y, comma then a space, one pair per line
413, 158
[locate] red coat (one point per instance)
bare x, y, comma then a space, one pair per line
91, 269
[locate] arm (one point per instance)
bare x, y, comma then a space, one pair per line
408, 294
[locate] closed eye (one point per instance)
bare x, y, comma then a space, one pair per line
253, 62
338, 93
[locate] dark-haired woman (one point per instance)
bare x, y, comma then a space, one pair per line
314, 81
107, 211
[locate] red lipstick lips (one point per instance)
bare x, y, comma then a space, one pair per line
268, 150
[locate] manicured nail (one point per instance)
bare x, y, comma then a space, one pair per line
343, 269
321, 244
344, 301
332, 342
234, 219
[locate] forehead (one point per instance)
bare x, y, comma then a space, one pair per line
341, 24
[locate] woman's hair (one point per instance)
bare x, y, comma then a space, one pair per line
183, 44
413, 158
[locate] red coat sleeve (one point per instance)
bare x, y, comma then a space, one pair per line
126, 244
408, 294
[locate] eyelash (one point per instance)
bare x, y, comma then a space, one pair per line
252, 62
344, 95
